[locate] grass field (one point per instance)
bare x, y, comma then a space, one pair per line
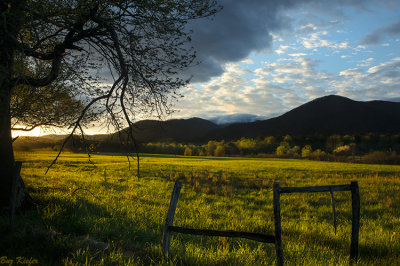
103, 214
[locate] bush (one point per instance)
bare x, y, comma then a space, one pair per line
281, 150
318, 155
188, 152
219, 151
381, 157
23, 148
306, 151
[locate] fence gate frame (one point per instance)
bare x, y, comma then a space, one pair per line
276, 239
355, 206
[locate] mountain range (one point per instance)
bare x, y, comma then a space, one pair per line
326, 115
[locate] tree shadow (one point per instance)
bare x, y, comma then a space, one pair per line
82, 217
340, 246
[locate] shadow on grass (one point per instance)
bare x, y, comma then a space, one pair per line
84, 217
340, 246
51, 232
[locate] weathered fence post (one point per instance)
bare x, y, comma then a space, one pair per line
170, 217
333, 210
355, 225
14, 190
277, 218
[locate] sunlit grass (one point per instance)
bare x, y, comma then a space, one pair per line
107, 203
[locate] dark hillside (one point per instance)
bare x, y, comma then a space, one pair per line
323, 116
326, 115
179, 130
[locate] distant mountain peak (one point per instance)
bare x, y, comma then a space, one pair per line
332, 114
332, 97
225, 120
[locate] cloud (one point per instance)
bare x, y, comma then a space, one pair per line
315, 40
377, 82
243, 27
308, 28
239, 28
236, 118
233, 83
298, 54
342, 45
248, 61
233, 92
282, 85
282, 49
378, 35
353, 72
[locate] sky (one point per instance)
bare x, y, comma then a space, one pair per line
261, 58
266, 57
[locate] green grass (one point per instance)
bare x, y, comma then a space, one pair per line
107, 203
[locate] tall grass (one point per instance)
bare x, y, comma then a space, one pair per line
103, 214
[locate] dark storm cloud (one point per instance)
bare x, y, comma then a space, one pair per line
378, 35
238, 29
245, 26
242, 27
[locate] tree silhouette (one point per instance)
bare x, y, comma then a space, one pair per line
121, 58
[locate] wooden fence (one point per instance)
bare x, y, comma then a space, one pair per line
355, 225
276, 239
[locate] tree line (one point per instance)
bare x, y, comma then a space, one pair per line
368, 148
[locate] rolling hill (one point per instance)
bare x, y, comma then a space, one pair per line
179, 130
326, 115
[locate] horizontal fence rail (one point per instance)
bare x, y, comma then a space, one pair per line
169, 228
204, 232
276, 239
355, 203
314, 189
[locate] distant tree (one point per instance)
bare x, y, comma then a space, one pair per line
271, 140
219, 150
332, 142
376, 157
211, 146
202, 153
63, 49
295, 150
353, 148
188, 151
283, 149
318, 154
348, 139
246, 146
231, 149
306, 151
287, 139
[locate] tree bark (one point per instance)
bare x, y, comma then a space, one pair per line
9, 25
6, 151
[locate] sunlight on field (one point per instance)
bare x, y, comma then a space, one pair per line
107, 202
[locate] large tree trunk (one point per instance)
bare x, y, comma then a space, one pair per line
6, 151
8, 26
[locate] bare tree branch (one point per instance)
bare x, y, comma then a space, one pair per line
143, 45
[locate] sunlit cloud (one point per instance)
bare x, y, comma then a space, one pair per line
277, 87
248, 61
297, 54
